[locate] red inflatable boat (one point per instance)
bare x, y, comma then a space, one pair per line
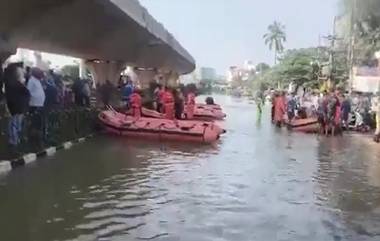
200, 113
214, 106
309, 125
208, 112
154, 128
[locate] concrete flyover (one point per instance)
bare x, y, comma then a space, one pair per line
108, 34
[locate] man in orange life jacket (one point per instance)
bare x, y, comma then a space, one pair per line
168, 102
136, 103
190, 105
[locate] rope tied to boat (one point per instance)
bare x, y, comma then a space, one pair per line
205, 125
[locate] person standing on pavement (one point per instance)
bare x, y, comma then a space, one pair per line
86, 93
37, 94
17, 98
36, 107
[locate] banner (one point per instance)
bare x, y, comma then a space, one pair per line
367, 84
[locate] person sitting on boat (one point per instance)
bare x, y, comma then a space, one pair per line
209, 100
136, 103
168, 104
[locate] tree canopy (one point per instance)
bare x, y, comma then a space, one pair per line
365, 17
300, 66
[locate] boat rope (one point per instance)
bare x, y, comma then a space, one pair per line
205, 125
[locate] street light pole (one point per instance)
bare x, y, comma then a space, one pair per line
351, 51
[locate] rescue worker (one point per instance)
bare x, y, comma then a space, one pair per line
168, 104
136, 103
190, 105
279, 109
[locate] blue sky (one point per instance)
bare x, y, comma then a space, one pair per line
221, 33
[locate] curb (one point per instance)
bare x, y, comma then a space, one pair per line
8, 165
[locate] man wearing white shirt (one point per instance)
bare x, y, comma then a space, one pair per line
37, 93
36, 104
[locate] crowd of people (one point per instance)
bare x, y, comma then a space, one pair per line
26, 90
335, 110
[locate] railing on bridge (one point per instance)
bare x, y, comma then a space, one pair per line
52, 129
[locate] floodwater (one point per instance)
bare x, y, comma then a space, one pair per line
257, 183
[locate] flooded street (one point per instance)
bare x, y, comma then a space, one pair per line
256, 183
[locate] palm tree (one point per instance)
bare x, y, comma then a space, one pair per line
275, 38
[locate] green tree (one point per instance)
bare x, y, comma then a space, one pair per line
363, 17
275, 38
300, 66
262, 67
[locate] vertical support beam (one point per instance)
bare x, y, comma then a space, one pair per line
6, 49
144, 77
82, 69
108, 70
171, 79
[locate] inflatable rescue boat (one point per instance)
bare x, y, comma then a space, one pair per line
308, 125
208, 112
160, 129
200, 113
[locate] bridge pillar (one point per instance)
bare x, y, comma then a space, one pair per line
7, 49
144, 77
169, 79
107, 70
82, 69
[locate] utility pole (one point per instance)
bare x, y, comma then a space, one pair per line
332, 38
332, 57
352, 40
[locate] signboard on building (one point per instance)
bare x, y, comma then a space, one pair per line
366, 79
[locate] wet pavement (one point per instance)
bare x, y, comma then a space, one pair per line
257, 183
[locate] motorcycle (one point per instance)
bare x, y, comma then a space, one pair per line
359, 122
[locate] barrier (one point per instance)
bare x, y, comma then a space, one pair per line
47, 129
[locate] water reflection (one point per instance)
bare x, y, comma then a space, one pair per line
257, 183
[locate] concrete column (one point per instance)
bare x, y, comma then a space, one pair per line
6, 49
144, 77
172, 79
82, 69
168, 78
107, 70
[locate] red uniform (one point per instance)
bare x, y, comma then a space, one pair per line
136, 104
190, 105
279, 109
168, 101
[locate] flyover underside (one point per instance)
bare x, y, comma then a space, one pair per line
89, 29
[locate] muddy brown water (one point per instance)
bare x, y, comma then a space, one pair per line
257, 183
